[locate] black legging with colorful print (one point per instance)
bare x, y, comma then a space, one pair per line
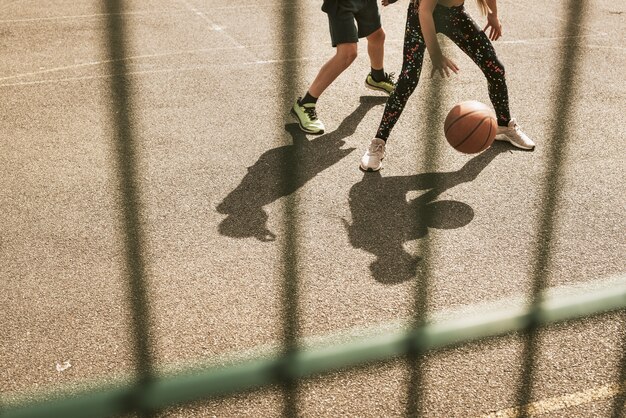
456, 24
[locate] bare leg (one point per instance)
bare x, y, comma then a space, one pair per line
376, 48
344, 56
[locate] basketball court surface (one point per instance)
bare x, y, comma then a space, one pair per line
209, 113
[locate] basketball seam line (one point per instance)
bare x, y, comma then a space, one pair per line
474, 130
461, 117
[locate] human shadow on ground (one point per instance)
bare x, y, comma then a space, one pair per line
383, 220
265, 183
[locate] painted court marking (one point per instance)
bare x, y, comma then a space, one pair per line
92, 16
538, 41
214, 27
537, 408
163, 70
135, 57
558, 403
236, 46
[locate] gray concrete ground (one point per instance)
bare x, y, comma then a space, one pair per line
212, 125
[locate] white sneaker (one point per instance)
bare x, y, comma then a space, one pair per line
514, 135
372, 159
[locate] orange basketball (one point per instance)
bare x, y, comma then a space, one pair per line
470, 127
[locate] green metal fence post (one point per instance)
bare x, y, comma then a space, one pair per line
291, 243
122, 116
429, 164
557, 153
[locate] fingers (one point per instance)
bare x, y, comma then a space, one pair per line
495, 32
450, 65
444, 67
445, 71
454, 67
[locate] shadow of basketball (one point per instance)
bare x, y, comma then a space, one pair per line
383, 219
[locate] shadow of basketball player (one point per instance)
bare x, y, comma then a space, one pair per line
383, 220
264, 183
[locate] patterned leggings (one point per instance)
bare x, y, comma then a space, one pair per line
456, 24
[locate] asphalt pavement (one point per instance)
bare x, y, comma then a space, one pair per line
210, 85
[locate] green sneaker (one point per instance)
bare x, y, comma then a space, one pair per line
307, 117
387, 85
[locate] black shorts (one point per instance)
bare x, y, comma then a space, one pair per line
350, 20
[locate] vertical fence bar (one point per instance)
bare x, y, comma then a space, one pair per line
556, 151
429, 164
122, 116
619, 402
291, 243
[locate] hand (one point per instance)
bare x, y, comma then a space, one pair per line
443, 65
387, 2
493, 23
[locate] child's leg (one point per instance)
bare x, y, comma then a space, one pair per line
304, 108
376, 48
378, 79
369, 26
344, 56
460, 27
464, 32
414, 48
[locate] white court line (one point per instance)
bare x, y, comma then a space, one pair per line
95, 77
514, 302
214, 27
157, 55
135, 57
93, 16
164, 70
536, 41
536, 408
606, 47
558, 403
529, 41
239, 46
141, 12
264, 6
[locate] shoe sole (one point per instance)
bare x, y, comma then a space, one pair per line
371, 170
504, 138
375, 88
302, 128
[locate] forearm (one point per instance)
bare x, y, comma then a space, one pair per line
427, 24
493, 6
